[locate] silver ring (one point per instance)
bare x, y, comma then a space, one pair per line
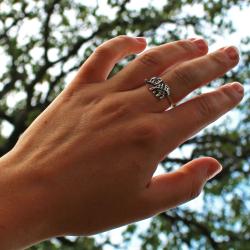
160, 89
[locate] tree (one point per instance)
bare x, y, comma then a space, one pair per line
36, 65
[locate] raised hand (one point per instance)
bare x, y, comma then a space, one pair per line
85, 165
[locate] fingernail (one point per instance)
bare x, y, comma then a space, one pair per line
239, 89
200, 43
141, 39
212, 172
232, 52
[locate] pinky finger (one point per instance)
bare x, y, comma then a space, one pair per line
184, 121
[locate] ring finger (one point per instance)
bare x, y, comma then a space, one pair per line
185, 78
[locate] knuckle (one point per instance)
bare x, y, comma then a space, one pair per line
150, 58
104, 51
195, 190
147, 131
124, 38
227, 94
114, 106
121, 110
195, 185
113, 47
185, 46
183, 76
204, 106
219, 59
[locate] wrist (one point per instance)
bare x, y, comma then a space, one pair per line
25, 214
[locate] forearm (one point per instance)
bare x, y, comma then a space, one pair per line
23, 213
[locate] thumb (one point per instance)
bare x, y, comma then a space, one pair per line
169, 190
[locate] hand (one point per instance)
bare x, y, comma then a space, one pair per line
90, 156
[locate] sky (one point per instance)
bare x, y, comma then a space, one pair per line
238, 17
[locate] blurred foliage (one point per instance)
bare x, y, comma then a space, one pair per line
43, 42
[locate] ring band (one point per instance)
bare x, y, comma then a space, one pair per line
160, 89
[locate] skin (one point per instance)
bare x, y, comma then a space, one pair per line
85, 165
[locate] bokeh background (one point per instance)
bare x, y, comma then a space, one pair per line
43, 43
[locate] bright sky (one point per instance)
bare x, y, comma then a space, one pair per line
239, 18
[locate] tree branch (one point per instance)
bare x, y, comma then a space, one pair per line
6, 117
201, 227
46, 32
